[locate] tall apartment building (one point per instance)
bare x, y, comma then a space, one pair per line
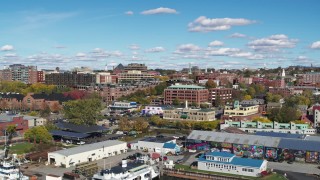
222, 95
19, 72
136, 67
190, 93
70, 79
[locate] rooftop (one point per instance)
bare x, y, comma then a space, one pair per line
232, 138
80, 128
88, 147
245, 162
185, 87
220, 154
157, 140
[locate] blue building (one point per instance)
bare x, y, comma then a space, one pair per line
225, 162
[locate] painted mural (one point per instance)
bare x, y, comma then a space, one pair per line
312, 157
244, 150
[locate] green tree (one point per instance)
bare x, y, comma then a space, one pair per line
251, 91
84, 111
284, 114
176, 102
38, 134
210, 84
218, 101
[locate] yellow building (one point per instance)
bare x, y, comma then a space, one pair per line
189, 114
240, 112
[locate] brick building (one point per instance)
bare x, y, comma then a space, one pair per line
41, 101
223, 95
19, 72
190, 93
284, 92
70, 79
16, 120
11, 101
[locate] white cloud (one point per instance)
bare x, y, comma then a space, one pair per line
160, 10
238, 35
204, 24
233, 52
183, 48
222, 51
7, 48
216, 43
155, 49
129, 13
134, 47
315, 45
272, 43
10, 55
81, 55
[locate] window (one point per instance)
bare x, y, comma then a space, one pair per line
250, 170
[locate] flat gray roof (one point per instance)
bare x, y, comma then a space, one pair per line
88, 147
234, 138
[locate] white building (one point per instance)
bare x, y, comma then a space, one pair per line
152, 110
225, 162
124, 106
153, 144
86, 153
35, 121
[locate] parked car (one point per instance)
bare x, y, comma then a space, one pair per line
81, 143
179, 161
198, 155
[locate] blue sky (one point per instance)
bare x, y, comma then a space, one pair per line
161, 34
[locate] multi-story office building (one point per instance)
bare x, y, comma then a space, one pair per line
190, 93
19, 72
239, 112
219, 96
70, 79
312, 77
189, 114
103, 78
134, 76
136, 67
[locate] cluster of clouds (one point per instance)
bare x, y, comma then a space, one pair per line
204, 24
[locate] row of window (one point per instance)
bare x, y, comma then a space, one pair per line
221, 166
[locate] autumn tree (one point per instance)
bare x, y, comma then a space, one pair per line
210, 84
140, 125
38, 134
83, 112
124, 124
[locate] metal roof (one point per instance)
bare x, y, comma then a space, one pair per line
281, 135
299, 144
312, 138
88, 147
80, 128
234, 138
68, 134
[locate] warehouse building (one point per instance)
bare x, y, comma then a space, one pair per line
87, 153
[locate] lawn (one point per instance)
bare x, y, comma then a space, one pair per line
20, 148
273, 176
